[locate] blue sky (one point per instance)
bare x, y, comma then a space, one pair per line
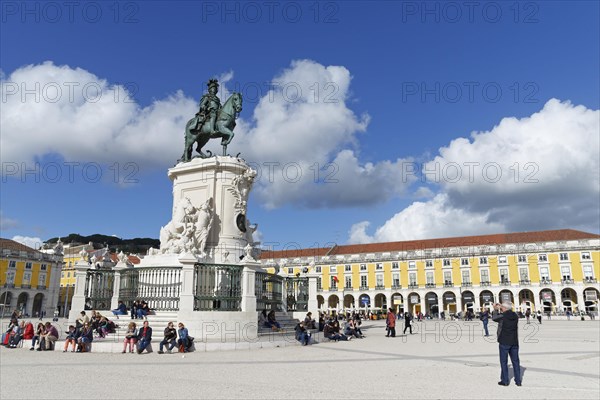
385, 87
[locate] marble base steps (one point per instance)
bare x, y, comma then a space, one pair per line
287, 324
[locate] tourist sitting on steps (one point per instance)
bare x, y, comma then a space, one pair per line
120, 310
169, 340
70, 339
85, 338
332, 331
144, 338
38, 336
49, 337
130, 337
309, 323
302, 335
143, 310
272, 322
185, 340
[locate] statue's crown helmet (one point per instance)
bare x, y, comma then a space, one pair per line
213, 83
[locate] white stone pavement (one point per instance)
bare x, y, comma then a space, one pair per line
560, 359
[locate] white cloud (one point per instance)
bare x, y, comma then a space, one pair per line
7, 223
33, 242
559, 188
82, 117
301, 133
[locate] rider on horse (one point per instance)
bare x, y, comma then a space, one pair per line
210, 105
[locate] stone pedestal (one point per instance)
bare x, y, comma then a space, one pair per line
221, 185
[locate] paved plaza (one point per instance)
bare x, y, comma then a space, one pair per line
450, 359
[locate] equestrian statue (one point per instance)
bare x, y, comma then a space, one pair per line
211, 121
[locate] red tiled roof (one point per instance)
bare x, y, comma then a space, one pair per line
14, 246
497, 239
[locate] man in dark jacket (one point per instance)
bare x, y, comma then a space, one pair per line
144, 337
508, 341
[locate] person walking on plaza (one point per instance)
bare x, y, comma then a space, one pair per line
528, 315
391, 323
485, 316
508, 341
407, 323
539, 316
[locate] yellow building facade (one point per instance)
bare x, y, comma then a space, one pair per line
551, 271
29, 279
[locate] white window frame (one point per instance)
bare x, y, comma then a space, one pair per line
396, 279
333, 269
464, 262
42, 280
26, 278
586, 256
347, 268
428, 263
487, 272
448, 281
483, 260
364, 281
319, 283
363, 267
543, 257
526, 278
428, 275
12, 264
318, 269
507, 275
563, 256
28, 265
10, 277
395, 265
332, 282
502, 260
462, 276
379, 266
348, 281
542, 278
290, 270
562, 271
412, 265
447, 262
521, 258
379, 280
591, 269
412, 278
43, 267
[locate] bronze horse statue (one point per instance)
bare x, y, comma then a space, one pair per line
224, 126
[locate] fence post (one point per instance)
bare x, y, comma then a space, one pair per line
78, 300
186, 294
313, 305
114, 302
248, 286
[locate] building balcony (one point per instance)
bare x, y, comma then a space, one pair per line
413, 286
485, 283
379, 287
9, 285
590, 280
364, 288
41, 287
348, 289
467, 284
545, 282
396, 287
430, 285
524, 282
333, 289
505, 283
319, 289
27, 286
448, 284
567, 281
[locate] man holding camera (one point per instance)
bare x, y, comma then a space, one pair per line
508, 341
